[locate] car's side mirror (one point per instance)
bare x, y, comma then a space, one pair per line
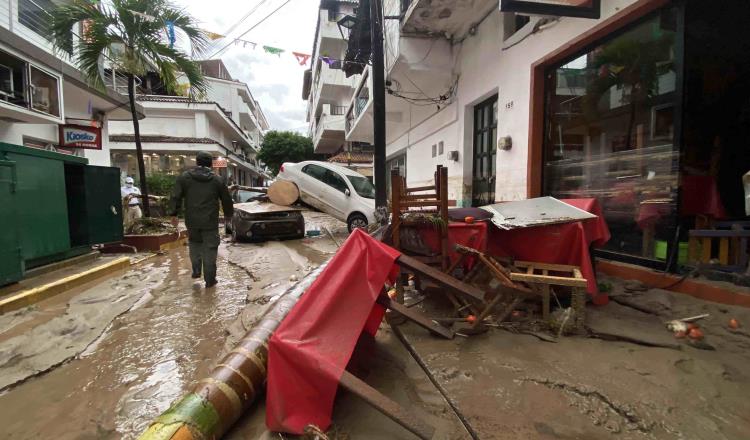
347, 192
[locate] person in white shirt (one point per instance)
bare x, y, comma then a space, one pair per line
133, 204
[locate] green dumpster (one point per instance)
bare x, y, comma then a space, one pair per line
54, 206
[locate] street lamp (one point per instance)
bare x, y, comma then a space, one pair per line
346, 22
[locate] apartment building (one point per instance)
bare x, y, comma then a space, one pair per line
45, 102
228, 122
640, 104
328, 90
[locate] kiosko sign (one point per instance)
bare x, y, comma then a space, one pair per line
78, 136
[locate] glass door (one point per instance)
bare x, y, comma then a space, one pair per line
485, 151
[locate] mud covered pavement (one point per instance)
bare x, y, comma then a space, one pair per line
105, 360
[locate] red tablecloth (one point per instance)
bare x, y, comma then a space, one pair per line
471, 235
312, 346
557, 244
700, 196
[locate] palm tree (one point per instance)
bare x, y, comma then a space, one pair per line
133, 37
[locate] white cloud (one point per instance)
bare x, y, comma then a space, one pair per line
276, 81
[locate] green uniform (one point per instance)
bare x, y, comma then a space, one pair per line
202, 191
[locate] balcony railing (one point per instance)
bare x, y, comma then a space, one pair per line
338, 110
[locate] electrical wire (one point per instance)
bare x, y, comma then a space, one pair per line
223, 49
244, 17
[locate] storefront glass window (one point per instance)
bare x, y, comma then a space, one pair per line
609, 134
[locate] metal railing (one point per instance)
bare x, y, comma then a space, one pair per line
338, 110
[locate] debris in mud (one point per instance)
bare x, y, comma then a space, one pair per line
151, 226
598, 406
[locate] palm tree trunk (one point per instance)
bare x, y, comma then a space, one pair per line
138, 148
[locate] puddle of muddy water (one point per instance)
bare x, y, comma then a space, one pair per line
147, 358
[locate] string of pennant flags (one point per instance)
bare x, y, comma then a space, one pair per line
303, 59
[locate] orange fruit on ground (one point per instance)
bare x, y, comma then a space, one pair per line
695, 333
471, 319
734, 324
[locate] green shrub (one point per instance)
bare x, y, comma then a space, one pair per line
161, 184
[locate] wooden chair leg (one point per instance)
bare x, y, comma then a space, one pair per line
705, 250
724, 251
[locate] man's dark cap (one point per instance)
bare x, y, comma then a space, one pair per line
204, 159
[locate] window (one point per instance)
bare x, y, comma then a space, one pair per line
333, 13
362, 186
333, 180
440, 148
13, 80
610, 135
44, 87
27, 86
35, 15
562, 8
315, 171
434, 150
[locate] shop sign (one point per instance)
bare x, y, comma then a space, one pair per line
79, 136
219, 163
559, 8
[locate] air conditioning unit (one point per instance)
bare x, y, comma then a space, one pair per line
453, 155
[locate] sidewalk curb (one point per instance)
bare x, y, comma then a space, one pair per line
32, 296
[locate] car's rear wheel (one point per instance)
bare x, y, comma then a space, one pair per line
356, 221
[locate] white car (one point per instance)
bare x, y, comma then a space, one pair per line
340, 192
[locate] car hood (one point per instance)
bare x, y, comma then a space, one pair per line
263, 207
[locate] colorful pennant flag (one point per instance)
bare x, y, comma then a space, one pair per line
213, 35
273, 50
302, 58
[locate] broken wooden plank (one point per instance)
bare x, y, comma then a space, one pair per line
548, 279
386, 406
440, 277
415, 317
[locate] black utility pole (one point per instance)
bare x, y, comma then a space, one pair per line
378, 102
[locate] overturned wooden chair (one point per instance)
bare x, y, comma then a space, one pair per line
407, 207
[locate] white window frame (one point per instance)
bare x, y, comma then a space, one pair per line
30, 110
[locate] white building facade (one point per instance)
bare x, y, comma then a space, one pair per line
459, 92
41, 91
328, 90
227, 122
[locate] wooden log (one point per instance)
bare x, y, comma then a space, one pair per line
283, 192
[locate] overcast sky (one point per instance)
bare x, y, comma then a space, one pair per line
275, 81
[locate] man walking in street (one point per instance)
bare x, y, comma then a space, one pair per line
202, 190
131, 202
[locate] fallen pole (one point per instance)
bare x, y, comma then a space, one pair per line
234, 384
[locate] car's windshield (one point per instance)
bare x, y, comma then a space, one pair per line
246, 196
363, 186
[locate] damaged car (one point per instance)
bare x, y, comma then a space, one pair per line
258, 221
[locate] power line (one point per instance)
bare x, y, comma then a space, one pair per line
245, 17
223, 49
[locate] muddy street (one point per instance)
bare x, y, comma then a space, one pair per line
132, 365
102, 361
